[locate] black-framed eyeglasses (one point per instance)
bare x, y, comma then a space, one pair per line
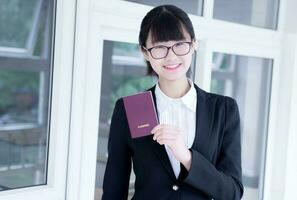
161, 51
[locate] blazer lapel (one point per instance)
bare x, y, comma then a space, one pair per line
158, 149
200, 141
200, 132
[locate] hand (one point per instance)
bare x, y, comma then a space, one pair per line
173, 137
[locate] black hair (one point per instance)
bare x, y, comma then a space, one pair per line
164, 23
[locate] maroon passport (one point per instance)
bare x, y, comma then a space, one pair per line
141, 113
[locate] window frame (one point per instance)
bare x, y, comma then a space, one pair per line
213, 36
291, 162
60, 90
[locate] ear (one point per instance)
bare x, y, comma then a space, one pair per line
145, 53
195, 44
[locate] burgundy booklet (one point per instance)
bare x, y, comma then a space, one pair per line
141, 113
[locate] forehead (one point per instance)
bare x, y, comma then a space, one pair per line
152, 42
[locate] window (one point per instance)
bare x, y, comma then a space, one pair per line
25, 74
194, 7
248, 80
260, 13
124, 72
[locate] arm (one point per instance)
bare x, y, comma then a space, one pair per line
118, 167
222, 181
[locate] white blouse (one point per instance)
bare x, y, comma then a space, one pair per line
180, 112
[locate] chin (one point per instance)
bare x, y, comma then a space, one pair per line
173, 77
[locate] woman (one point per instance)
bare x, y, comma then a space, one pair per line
195, 151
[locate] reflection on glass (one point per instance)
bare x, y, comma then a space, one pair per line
194, 7
18, 97
24, 92
20, 14
260, 13
248, 80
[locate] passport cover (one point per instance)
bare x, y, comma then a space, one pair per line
141, 113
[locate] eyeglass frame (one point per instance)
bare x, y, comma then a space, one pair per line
168, 48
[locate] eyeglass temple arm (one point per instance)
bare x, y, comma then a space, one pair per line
144, 48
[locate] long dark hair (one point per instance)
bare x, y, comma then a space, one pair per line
164, 23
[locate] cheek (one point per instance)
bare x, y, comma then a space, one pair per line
187, 61
156, 65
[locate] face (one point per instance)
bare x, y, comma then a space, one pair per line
172, 67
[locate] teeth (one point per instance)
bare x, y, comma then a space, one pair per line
171, 66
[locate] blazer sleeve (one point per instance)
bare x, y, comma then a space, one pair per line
224, 180
118, 167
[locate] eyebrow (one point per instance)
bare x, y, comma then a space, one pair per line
158, 43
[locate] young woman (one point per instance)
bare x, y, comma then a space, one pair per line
195, 151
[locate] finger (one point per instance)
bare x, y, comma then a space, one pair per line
166, 137
165, 130
166, 142
165, 134
161, 131
170, 126
165, 126
159, 126
157, 133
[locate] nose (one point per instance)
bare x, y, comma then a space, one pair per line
170, 54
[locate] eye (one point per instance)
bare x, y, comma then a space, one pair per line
179, 44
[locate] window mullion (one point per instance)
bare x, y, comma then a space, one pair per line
208, 9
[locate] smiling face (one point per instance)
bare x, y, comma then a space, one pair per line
172, 67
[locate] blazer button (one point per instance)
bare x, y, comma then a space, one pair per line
175, 187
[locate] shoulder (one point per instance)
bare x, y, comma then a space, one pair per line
119, 108
212, 97
219, 105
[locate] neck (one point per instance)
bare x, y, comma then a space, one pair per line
176, 88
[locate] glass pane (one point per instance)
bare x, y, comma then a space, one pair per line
18, 97
16, 21
248, 81
24, 112
260, 13
38, 45
194, 7
124, 72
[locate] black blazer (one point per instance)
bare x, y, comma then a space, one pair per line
215, 172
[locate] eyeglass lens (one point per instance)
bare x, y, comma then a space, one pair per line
179, 49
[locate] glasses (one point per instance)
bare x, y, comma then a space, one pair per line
161, 51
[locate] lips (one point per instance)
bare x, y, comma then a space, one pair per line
172, 66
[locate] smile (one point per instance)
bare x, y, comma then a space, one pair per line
172, 67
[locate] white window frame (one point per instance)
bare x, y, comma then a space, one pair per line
120, 21
291, 172
60, 111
